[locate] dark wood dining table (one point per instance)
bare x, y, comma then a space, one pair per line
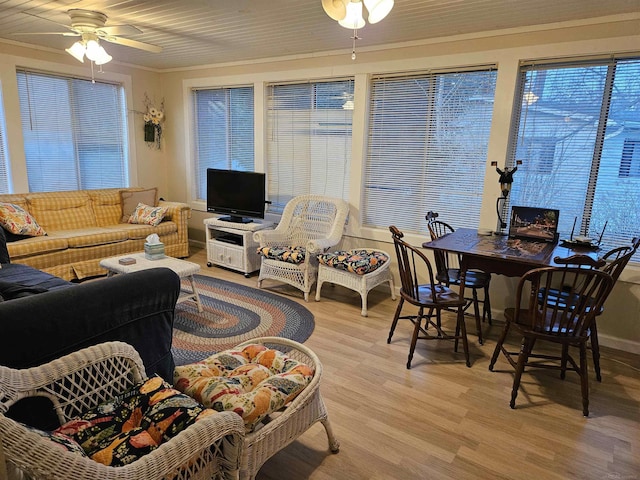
500, 254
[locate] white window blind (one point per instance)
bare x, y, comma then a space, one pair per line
309, 128
427, 148
4, 156
223, 129
589, 113
75, 133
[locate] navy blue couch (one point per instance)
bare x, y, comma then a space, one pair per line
43, 317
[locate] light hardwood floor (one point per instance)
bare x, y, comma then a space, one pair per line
442, 420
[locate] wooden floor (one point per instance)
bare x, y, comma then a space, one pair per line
442, 420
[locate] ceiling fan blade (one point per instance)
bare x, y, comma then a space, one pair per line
134, 44
119, 30
64, 34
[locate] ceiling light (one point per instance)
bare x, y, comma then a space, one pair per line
90, 47
348, 13
93, 49
77, 51
353, 19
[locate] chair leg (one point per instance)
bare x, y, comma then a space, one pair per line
395, 319
584, 379
501, 340
487, 306
563, 361
334, 445
476, 311
463, 334
414, 338
525, 350
595, 350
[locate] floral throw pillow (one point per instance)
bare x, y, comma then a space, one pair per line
18, 221
253, 382
146, 215
360, 262
136, 422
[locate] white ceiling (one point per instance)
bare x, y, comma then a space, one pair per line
206, 32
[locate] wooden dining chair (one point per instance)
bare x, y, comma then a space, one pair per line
431, 298
537, 317
614, 263
448, 273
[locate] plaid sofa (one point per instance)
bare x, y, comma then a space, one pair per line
84, 226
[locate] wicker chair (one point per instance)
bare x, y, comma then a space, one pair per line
285, 426
74, 383
312, 222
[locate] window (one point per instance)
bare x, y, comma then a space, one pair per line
427, 148
223, 129
75, 133
591, 110
309, 129
4, 156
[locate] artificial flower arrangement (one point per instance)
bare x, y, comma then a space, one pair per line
153, 119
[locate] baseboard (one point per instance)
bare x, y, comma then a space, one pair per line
618, 343
605, 340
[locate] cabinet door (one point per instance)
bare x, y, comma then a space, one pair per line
235, 257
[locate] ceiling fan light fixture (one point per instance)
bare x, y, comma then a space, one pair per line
354, 19
378, 9
93, 50
77, 51
103, 57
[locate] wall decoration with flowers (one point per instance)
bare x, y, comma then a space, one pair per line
153, 120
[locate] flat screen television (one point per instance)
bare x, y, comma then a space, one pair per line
239, 196
534, 223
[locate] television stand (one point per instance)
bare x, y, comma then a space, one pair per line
232, 245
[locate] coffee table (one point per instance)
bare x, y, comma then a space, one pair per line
183, 268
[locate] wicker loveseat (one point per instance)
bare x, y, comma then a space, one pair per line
84, 226
210, 448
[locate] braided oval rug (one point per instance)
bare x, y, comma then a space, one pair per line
232, 314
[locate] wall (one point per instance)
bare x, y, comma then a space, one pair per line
170, 168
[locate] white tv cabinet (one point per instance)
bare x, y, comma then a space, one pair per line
231, 245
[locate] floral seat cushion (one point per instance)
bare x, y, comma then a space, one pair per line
253, 381
136, 422
360, 262
295, 255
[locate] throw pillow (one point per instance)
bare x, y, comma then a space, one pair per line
295, 255
130, 201
360, 262
253, 382
136, 422
146, 215
18, 221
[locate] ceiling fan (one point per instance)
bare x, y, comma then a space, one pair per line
90, 26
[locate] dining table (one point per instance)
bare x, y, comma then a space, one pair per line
501, 254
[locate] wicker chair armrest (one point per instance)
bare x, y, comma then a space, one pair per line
320, 245
216, 438
113, 366
269, 238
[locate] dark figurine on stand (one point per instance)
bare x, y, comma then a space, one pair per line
506, 179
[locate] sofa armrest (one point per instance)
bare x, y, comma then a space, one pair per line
179, 213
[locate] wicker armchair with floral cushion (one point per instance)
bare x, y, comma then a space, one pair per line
310, 224
114, 423
272, 383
